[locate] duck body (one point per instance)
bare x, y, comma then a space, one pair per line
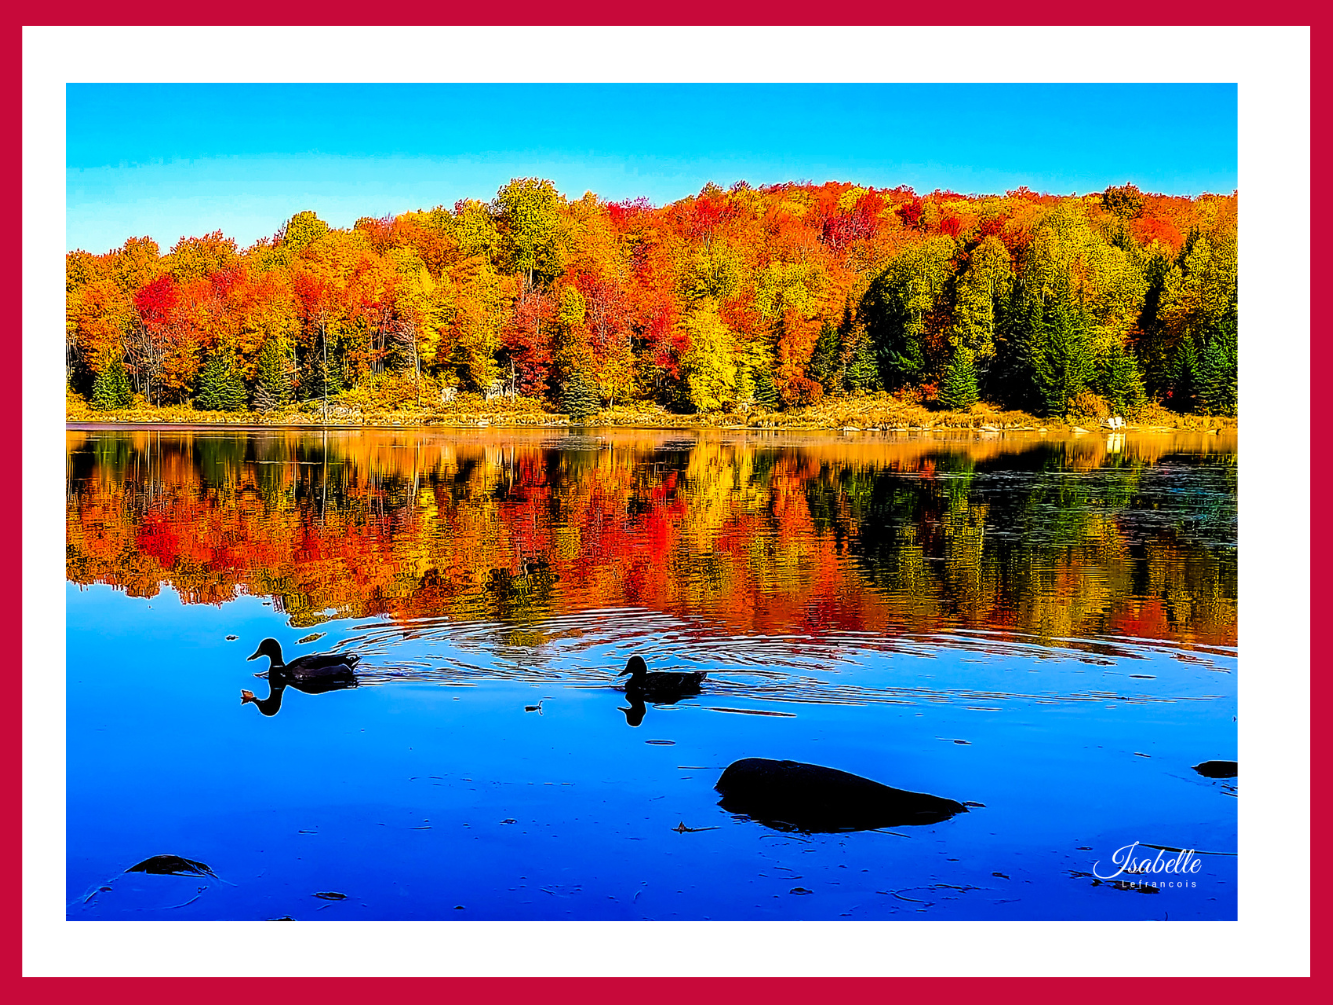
659, 684
1218, 769
315, 665
790, 795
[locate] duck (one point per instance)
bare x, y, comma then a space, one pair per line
658, 683
313, 665
1217, 769
793, 796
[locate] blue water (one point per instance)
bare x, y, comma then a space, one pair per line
430, 791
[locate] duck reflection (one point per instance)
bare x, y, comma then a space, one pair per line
638, 703
636, 711
279, 681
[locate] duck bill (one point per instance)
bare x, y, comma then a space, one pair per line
622, 673
256, 656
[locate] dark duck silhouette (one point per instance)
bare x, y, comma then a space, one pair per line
305, 667
1217, 769
791, 796
316, 673
659, 686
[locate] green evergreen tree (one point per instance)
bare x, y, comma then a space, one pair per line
958, 389
1009, 378
220, 386
579, 398
1218, 392
1182, 384
272, 389
112, 389
826, 363
1120, 382
1059, 353
744, 385
862, 371
765, 391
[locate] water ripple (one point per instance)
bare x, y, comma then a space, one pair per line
587, 649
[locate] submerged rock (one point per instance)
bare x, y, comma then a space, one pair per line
172, 865
789, 795
1217, 769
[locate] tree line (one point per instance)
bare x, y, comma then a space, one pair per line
768, 297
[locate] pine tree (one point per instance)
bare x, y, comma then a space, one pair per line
765, 391
1120, 381
112, 389
825, 363
744, 385
958, 389
1061, 363
272, 389
578, 398
1009, 379
1217, 371
220, 386
1182, 384
862, 371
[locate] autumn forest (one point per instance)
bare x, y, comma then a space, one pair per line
737, 299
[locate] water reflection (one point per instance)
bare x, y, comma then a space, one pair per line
636, 711
1085, 538
279, 680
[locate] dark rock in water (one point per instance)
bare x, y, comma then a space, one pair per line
1217, 769
172, 865
789, 795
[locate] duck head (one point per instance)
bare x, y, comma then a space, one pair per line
270, 648
636, 668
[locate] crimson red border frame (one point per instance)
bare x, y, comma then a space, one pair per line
672, 991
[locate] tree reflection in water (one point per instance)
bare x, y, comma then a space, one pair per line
763, 534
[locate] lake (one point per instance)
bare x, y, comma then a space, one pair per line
1040, 629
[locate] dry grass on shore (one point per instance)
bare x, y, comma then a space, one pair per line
868, 411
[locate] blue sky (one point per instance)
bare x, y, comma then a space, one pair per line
167, 160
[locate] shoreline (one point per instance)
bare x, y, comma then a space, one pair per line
838, 415
1060, 430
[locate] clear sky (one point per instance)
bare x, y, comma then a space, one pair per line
166, 160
